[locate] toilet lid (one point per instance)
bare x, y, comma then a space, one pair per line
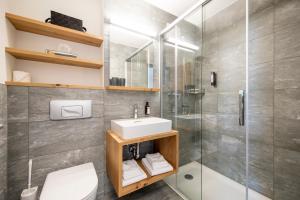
73, 183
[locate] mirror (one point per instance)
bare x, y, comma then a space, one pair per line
131, 36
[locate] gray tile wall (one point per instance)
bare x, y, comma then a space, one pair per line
261, 102
274, 152
56, 145
3, 142
286, 100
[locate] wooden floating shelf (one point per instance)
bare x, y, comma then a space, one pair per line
165, 143
124, 88
47, 29
51, 58
53, 85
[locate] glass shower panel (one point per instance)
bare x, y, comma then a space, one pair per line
223, 136
181, 98
168, 86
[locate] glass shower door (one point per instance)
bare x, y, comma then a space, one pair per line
223, 130
181, 96
203, 92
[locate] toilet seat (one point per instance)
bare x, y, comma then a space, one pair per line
75, 183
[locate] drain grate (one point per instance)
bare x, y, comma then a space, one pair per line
188, 177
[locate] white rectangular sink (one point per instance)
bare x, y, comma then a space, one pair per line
133, 128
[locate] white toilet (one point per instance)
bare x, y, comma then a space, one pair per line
75, 183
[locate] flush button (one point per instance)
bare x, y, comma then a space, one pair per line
70, 109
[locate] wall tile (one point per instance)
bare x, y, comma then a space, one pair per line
287, 133
261, 50
287, 177
17, 98
287, 73
261, 23
261, 129
259, 5
261, 155
287, 103
50, 137
228, 102
228, 124
17, 178
211, 103
261, 103
285, 45
286, 13
3, 142
232, 57
261, 180
17, 141
261, 76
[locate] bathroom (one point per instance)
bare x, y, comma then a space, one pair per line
211, 85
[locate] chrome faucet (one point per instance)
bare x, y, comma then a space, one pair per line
135, 111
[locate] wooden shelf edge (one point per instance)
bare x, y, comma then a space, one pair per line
122, 141
52, 85
124, 88
47, 29
51, 58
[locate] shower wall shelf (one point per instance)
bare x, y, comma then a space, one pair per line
42, 28
51, 58
165, 143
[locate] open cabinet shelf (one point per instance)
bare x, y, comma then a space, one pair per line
42, 28
165, 143
51, 58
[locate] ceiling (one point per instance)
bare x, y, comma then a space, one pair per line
175, 7
178, 7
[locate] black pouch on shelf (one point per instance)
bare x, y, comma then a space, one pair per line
65, 21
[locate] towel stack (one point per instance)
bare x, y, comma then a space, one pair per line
156, 164
132, 173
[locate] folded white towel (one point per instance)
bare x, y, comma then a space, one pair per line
153, 155
154, 172
131, 169
134, 180
132, 173
156, 160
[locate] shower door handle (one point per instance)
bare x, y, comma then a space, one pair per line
241, 107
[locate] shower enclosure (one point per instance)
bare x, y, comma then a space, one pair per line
203, 74
229, 83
